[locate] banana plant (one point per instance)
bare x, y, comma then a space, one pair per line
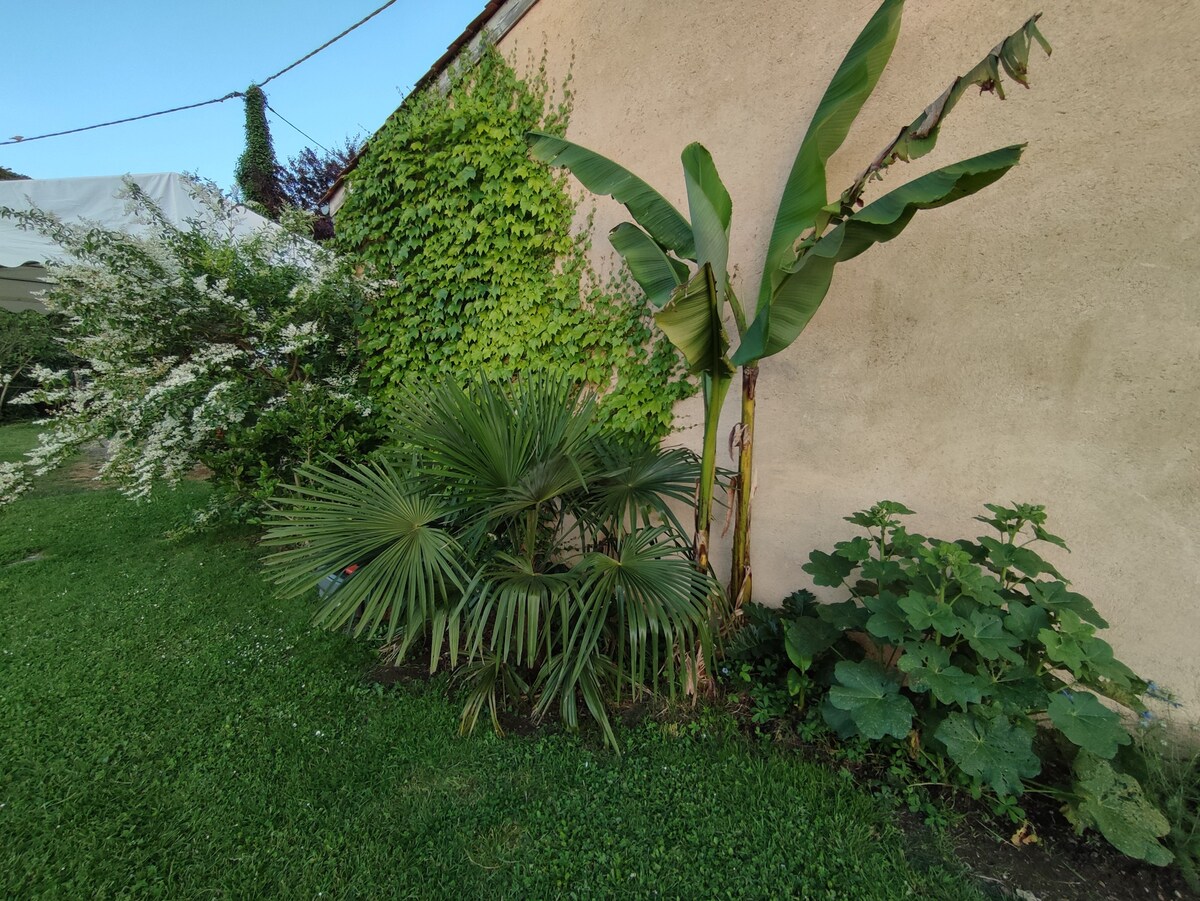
682, 263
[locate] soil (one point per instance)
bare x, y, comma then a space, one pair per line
84, 469
1059, 866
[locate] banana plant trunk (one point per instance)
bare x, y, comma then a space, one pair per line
713, 396
741, 575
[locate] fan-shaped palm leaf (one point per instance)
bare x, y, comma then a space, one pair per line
410, 577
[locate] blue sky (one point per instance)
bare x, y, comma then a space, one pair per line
69, 63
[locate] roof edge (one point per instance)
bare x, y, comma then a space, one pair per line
506, 13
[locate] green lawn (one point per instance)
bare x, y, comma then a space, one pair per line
170, 729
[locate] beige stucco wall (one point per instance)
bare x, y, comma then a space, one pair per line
1035, 342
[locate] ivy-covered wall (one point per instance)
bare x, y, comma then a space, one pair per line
488, 277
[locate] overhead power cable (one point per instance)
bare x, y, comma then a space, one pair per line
71, 131
298, 129
332, 40
20, 139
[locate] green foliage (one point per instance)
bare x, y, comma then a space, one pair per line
514, 532
197, 346
28, 340
1165, 758
257, 169
173, 731
811, 234
1114, 804
975, 654
487, 277
872, 698
7, 174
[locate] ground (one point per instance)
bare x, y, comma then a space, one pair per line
171, 729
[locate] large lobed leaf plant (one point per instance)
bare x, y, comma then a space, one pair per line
682, 263
511, 538
977, 658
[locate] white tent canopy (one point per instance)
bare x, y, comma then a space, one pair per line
96, 201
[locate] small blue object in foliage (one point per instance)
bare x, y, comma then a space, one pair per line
329, 585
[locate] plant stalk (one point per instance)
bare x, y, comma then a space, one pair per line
741, 577
714, 394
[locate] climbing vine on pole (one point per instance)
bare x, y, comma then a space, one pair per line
256, 167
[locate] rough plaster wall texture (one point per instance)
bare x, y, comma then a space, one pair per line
1035, 342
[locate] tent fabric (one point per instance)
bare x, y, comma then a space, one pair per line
97, 201
17, 285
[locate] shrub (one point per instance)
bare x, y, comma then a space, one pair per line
513, 534
29, 340
976, 657
200, 347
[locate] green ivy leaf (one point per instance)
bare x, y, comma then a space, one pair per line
1022, 559
1074, 644
1016, 689
994, 751
1043, 535
856, 549
845, 616
904, 543
1026, 620
1115, 805
1087, 722
1101, 663
1056, 598
885, 572
840, 721
872, 698
929, 669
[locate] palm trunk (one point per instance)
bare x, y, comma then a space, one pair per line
740, 577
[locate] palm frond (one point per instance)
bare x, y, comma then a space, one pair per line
410, 575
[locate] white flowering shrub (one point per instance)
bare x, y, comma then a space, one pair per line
200, 348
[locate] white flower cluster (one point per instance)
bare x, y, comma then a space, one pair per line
237, 353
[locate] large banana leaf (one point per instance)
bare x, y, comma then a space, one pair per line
657, 274
711, 211
692, 322
600, 175
805, 285
805, 193
919, 137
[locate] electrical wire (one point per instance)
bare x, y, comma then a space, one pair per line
230, 96
332, 40
297, 129
71, 131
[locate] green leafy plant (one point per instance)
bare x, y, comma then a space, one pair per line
29, 341
979, 659
257, 169
483, 274
1165, 759
682, 262
515, 537
199, 347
